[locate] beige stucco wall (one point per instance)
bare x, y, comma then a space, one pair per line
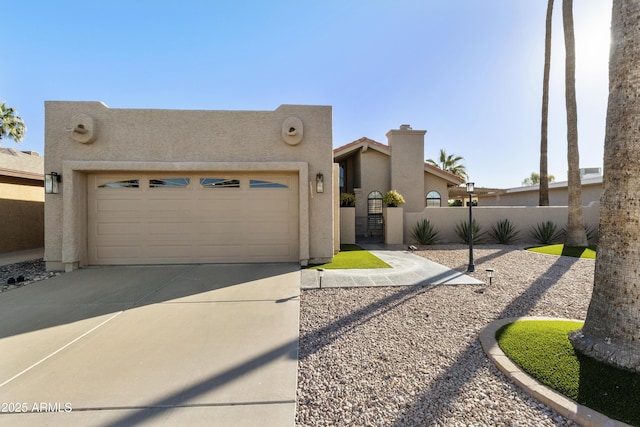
407, 166
374, 176
22, 207
523, 217
347, 226
393, 225
434, 183
336, 208
180, 140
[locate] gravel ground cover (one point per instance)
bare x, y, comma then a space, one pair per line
410, 356
22, 274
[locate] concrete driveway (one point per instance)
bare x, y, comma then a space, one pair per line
212, 345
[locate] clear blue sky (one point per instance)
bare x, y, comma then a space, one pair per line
469, 72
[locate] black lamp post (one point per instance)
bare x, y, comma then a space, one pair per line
472, 267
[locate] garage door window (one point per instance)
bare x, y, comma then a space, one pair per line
127, 183
258, 183
169, 182
219, 183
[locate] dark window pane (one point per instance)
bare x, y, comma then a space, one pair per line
169, 182
220, 183
129, 183
256, 183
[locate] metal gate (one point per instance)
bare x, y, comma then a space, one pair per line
375, 221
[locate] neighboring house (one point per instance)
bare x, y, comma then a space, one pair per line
142, 186
529, 195
21, 200
369, 169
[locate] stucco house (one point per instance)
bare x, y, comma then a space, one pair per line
144, 186
558, 193
369, 169
21, 200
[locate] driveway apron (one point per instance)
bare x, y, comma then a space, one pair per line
211, 345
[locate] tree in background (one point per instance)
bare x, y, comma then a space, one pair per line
611, 331
536, 179
544, 178
11, 125
576, 234
450, 163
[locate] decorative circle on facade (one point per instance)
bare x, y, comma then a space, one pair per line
292, 130
83, 128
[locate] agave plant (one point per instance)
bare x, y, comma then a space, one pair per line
504, 232
546, 232
592, 232
462, 230
424, 233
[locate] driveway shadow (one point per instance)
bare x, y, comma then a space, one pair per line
209, 337
97, 291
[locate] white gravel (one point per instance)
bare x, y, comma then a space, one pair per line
410, 356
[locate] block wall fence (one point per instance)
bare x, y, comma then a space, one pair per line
523, 218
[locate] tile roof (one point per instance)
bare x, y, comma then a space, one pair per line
385, 149
360, 142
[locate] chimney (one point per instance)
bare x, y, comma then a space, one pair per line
407, 165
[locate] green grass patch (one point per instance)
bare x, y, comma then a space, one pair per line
562, 250
543, 350
353, 256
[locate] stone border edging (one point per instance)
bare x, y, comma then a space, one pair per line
563, 405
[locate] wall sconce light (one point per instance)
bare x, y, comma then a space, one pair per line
319, 183
52, 183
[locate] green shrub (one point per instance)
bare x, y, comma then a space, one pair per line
546, 233
424, 233
504, 232
393, 199
347, 200
462, 230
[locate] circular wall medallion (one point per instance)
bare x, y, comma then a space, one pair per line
292, 130
83, 128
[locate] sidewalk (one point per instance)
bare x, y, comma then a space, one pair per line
408, 270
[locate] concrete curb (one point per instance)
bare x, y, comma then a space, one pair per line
563, 405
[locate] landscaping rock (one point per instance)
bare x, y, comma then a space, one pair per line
373, 357
14, 276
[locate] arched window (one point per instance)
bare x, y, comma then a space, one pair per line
374, 203
433, 199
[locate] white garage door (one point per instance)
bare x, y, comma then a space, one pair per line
162, 218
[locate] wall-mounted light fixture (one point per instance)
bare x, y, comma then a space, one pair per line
52, 183
319, 183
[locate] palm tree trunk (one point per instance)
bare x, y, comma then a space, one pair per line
576, 234
544, 173
611, 332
